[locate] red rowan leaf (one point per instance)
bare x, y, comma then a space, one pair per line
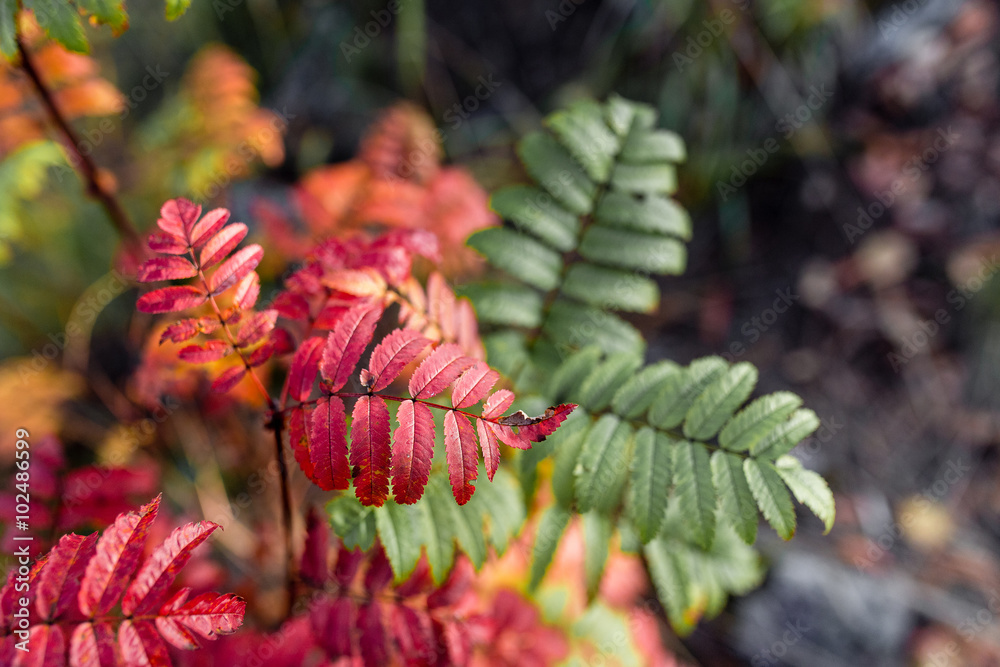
174, 633
441, 304
298, 439
364, 282
392, 354
491, 449
92, 645
212, 350
229, 379
291, 305
438, 370
247, 291
117, 556
48, 648
282, 341
547, 423
256, 327
167, 244
457, 584
331, 314
170, 299
497, 403
166, 268
59, 580
328, 445
177, 217
160, 569
412, 451
460, 448
507, 435
347, 565
374, 651
180, 331
347, 342
303, 369
222, 244
412, 633
235, 268
208, 226
473, 386
210, 614
314, 568
140, 644
260, 356
379, 572
370, 450
335, 624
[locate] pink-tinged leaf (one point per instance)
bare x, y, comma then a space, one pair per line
303, 369
467, 334
213, 350
457, 585
176, 634
291, 305
334, 626
256, 327
177, 217
222, 244
167, 244
328, 445
412, 451
453, 641
229, 379
418, 583
347, 565
441, 302
92, 645
460, 448
210, 615
140, 645
332, 312
282, 341
315, 569
365, 282
370, 450
170, 299
247, 291
161, 568
178, 332
47, 645
118, 552
166, 268
260, 356
298, 438
374, 650
547, 423
473, 386
491, 449
497, 403
412, 633
347, 342
507, 435
392, 354
59, 580
379, 572
438, 370
235, 268
208, 226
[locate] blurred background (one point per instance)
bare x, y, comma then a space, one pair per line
844, 182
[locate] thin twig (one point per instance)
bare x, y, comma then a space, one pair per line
82, 163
